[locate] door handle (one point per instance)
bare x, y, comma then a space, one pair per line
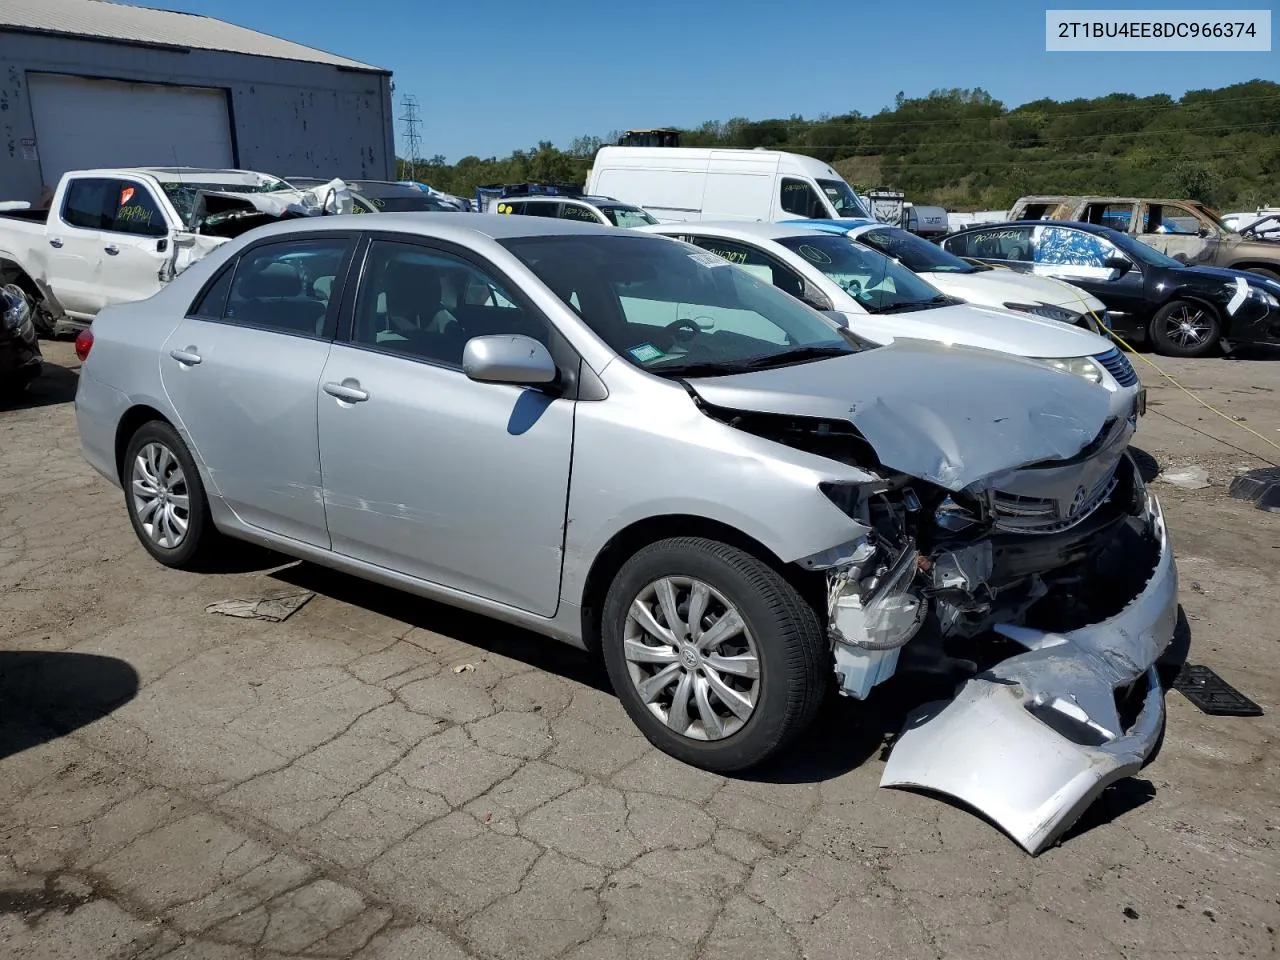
55, 242
112, 249
348, 390
187, 357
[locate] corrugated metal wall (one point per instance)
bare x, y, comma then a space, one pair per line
288, 117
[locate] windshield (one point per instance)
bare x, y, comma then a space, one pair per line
844, 200
674, 310
879, 284
627, 216
915, 253
1139, 251
182, 193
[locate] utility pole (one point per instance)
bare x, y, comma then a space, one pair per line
412, 139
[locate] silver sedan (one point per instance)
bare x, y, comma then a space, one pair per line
627, 443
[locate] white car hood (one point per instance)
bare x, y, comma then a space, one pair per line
990, 328
994, 288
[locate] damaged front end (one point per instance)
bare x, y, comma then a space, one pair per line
1068, 559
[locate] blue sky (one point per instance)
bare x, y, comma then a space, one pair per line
496, 75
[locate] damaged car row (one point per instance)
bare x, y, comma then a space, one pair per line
737, 499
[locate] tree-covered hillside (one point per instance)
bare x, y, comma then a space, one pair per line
965, 150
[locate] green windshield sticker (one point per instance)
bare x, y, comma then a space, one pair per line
646, 353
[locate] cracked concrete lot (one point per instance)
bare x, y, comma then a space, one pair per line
179, 784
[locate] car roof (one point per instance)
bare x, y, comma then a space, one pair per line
842, 226
593, 201
731, 229
430, 223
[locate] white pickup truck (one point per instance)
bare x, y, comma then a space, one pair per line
118, 235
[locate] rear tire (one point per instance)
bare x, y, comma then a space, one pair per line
730, 697
166, 500
1184, 328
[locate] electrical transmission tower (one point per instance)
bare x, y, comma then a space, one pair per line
412, 139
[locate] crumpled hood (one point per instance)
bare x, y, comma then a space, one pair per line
990, 328
998, 287
949, 415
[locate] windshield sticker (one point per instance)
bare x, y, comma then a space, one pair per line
126, 195
646, 353
812, 254
134, 214
709, 259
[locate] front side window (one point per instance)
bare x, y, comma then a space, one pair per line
1064, 247
426, 304
286, 286
628, 216
571, 211
878, 283
135, 211
675, 310
844, 200
1169, 218
802, 200
755, 262
86, 203
915, 253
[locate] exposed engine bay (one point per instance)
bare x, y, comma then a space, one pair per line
1066, 557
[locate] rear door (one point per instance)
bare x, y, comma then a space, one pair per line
243, 371
135, 243
74, 235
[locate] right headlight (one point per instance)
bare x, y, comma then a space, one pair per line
1085, 367
1267, 297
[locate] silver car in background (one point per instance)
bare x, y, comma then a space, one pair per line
626, 443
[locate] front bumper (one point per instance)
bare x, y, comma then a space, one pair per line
1032, 742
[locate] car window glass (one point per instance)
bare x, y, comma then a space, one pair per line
286, 286
801, 199
541, 209
754, 262
85, 204
1169, 218
666, 306
427, 304
1117, 216
1001, 243
1064, 247
571, 211
212, 304
628, 216
135, 211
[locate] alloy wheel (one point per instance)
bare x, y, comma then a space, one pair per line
160, 497
692, 659
1188, 326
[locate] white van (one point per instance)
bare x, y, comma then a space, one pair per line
681, 184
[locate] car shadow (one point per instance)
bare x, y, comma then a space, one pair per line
474, 629
45, 695
57, 384
1247, 352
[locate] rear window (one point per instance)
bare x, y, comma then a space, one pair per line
85, 203
627, 216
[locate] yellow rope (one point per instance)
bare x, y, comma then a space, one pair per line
1151, 363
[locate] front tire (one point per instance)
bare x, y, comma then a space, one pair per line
1183, 328
166, 500
716, 658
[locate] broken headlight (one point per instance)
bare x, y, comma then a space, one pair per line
876, 609
15, 309
1085, 367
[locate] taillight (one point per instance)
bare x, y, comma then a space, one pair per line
84, 343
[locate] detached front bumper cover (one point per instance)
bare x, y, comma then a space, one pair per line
1032, 742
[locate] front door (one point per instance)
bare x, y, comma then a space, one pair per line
1176, 231
427, 472
243, 371
135, 244
1087, 261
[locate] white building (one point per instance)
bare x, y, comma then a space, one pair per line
90, 83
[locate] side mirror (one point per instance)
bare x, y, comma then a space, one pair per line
1120, 264
837, 317
513, 359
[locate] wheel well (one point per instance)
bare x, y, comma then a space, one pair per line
1270, 267
132, 420
12, 272
625, 543
1198, 301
